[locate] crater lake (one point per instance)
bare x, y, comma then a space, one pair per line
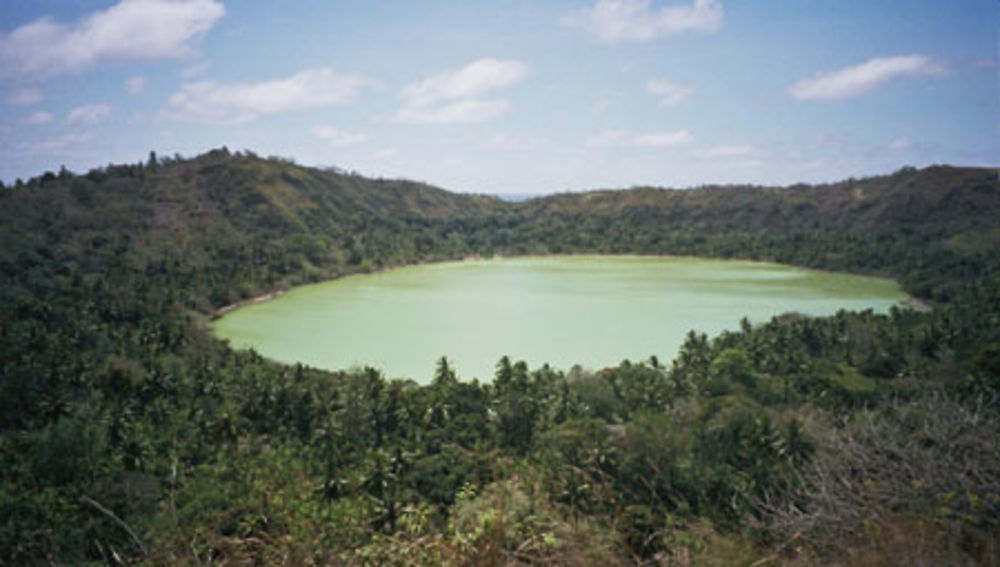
594, 311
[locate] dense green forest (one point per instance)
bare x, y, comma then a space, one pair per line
130, 436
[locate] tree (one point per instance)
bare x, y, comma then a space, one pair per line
515, 405
503, 377
731, 366
444, 375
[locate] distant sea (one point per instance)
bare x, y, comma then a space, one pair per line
518, 197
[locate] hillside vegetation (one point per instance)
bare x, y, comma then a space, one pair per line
130, 436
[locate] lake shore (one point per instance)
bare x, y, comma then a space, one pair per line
249, 301
918, 304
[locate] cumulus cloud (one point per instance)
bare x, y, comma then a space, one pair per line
135, 85
473, 80
234, 103
724, 151
196, 70
40, 118
900, 144
668, 93
608, 138
459, 96
88, 114
60, 143
621, 138
600, 106
24, 97
129, 30
339, 137
459, 112
515, 143
615, 21
663, 139
863, 78
983, 63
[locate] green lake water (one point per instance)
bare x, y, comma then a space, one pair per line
590, 310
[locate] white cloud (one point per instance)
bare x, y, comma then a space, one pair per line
621, 138
61, 143
600, 106
461, 112
129, 30
39, 118
613, 21
863, 78
233, 103
900, 144
983, 63
196, 70
515, 143
663, 139
474, 79
724, 151
608, 138
24, 97
339, 137
135, 85
668, 93
88, 114
457, 96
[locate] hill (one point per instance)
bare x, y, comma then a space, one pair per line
130, 435
250, 221
941, 198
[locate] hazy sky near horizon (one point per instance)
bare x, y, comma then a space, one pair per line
507, 96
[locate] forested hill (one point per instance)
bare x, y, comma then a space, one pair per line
941, 199
130, 436
248, 222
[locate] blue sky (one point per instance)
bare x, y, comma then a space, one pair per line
507, 96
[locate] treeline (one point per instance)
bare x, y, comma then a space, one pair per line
129, 435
